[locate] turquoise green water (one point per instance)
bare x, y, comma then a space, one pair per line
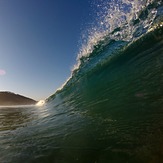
111, 110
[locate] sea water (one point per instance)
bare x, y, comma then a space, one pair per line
110, 110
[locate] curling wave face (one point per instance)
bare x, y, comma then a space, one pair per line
119, 24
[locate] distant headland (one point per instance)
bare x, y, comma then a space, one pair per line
10, 98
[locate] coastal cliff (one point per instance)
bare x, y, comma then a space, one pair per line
9, 98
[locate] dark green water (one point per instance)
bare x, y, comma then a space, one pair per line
111, 114
110, 110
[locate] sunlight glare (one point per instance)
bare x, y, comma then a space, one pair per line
40, 103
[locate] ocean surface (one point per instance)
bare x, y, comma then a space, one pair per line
110, 110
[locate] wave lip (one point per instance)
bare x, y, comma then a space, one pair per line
120, 23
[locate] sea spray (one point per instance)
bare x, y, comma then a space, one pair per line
117, 24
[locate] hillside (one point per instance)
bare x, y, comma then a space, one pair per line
9, 98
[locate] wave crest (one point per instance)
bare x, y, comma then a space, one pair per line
120, 20
119, 23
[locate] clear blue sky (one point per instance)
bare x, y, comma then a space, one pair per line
39, 43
